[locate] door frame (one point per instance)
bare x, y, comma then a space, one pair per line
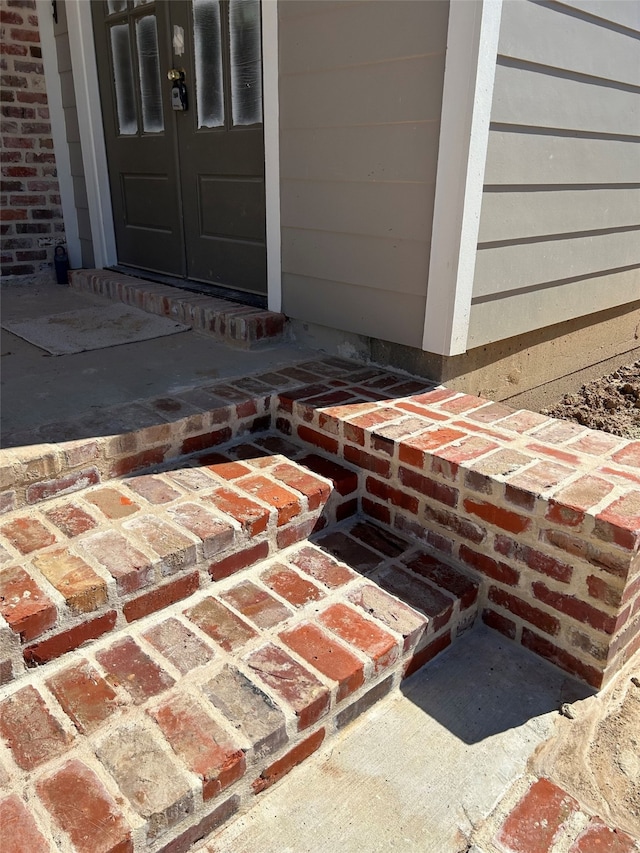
94, 155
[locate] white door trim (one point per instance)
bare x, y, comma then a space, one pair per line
85, 74
472, 47
94, 155
59, 132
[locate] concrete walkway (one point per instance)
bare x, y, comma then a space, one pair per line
421, 770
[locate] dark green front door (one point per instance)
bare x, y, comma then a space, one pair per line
187, 187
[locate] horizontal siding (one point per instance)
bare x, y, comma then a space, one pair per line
626, 13
528, 97
360, 102
530, 158
559, 229
368, 310
526, 312
501, 270
515, 215
373, 262
544, 34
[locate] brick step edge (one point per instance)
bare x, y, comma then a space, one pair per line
226, 321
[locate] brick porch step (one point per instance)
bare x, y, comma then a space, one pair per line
225, 320
162, 730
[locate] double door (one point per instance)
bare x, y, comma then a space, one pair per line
187, 184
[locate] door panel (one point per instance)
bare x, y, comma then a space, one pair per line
187, 186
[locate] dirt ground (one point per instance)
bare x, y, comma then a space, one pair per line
611, 404
595, 756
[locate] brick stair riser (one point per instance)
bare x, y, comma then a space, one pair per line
225, 321
562, 577
87, 735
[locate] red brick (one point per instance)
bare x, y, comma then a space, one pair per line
536, 820
376, 511
179, 645
71, 520
486, 565
131, 569
256, 604
253, 517
419, 594
205, 440
599, 838
491, 413
318, 439
463, 403
447, 460
70, 639
293, 533
395, 497
127, 665
187, 839
230, 565
391, 612
327, 656
423, 411
21, 835
193, 479
557, 432
516, 606
445, 577
79, 803
229, 470
499, 623
609, 562
82, 588
163, 596
503, 518
270, 775
536, 560
152, 489
286, 503
112, 503
308, 697
345, 480
322, 567
562, 455
84, 695
346, 509
574, 607
368, 461
430, 488
629, 455
620, 521
349, 551
137, 461
200, 743
214, 533
291, 586
216, 620
424, 655
26, 608
377, 537
27, 534
435, 396
315, 490
595, 443
415, 451
546, 649
70, 483
176, 550
31, 732
523, 421
365, 635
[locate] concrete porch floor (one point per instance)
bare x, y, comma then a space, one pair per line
436, 768
38, 388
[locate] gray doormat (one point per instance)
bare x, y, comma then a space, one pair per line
92, 328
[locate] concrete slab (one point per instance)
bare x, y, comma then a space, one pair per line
38, 388
420, 770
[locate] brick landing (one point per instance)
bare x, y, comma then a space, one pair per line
226, 321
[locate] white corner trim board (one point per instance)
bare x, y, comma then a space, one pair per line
59, 131
94, 155
472, 47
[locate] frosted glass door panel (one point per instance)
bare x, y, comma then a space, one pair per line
123, 80
116, 6
246, 61
149, 67
208, 63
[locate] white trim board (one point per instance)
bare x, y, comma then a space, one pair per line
59, 131
94, 155
472, 47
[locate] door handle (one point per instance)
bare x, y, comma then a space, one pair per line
179, 100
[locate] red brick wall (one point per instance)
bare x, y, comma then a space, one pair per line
30, 213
